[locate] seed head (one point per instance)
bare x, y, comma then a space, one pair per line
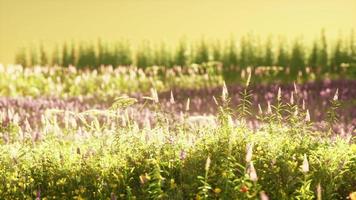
215, 101
172, 98
207, 164
248, 77
292, 98
260, 109
225, 93
336, 96
279, 94
269, 108
187, 106
307, 116
305, 166
295, 88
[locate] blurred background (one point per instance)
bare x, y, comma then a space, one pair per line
24, 24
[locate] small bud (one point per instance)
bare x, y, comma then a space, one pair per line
305, 166
336, 96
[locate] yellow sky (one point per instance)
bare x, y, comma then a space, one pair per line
25, 22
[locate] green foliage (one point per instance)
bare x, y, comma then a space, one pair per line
112, 159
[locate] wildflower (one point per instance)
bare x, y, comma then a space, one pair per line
249, 77
182, 155
279, 94
260, 109
296, 112
307, 116
295, 88
305, 166
263, 195
249, 152
292, 98
336, 96
215, 101
225, 93
172, 98
269, 107
187, 106
207, 164
252, 172
244, 189
217, 190
303, 105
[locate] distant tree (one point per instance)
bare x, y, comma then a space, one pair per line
313, 57
268, 56
56, 59
297, 60
162, 56
217, 55
43, 56
323, 52
352, 48
87, 57
201, 53
34, 57
283, 56
181, 57
123, 54
66, 61
144, 55
21, 58
230, 55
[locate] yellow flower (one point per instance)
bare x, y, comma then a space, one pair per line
352, 196
217, 190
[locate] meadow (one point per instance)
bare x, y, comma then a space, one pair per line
175, 132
